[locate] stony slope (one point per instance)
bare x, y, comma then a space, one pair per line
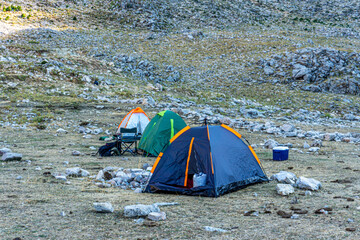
265, 53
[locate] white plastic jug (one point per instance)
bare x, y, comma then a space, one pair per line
199, 179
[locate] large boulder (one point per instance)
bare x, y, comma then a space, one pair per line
157, 216
308, 183
104, 207
140, 210
284, 189
9, 156
284, 177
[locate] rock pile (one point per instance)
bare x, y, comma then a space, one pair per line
289, 180
134, 179
324, 69
140, 210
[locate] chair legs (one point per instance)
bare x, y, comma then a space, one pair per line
126, 147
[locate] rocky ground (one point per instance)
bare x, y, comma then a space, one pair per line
280, 72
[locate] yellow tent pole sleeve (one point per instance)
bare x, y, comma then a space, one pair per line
187, 163
156, 162
231, 130
207, 129
212, 165
172, 128
179, 133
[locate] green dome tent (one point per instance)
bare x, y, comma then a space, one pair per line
157, 134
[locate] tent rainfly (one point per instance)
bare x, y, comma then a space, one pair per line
136, 118
159, 131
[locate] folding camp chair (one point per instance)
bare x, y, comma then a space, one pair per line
126, 140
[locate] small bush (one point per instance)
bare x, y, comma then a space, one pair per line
41, 126
327, 115
12, 8
7, 18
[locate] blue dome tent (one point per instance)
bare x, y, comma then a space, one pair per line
216, 153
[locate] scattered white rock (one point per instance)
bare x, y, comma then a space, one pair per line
284, 189
76, 153
138, 190
61, 130
157, 216
212, 229
19, 177
162, 204
140, 210
270, 144
103, 207
284, 177
100, 175
62, 214
62, 178
76, 172
38, 169
287, 127
308, 183
306, 145
314, 149
139, 221
308, 193
268, 70
4, 150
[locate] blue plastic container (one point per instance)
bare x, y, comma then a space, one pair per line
280, 153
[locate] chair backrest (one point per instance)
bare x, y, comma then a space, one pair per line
128, 132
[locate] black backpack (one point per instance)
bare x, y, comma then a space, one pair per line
106, 150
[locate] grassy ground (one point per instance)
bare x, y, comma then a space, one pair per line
31, 207
216, 67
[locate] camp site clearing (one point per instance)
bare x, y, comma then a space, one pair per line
38, 206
